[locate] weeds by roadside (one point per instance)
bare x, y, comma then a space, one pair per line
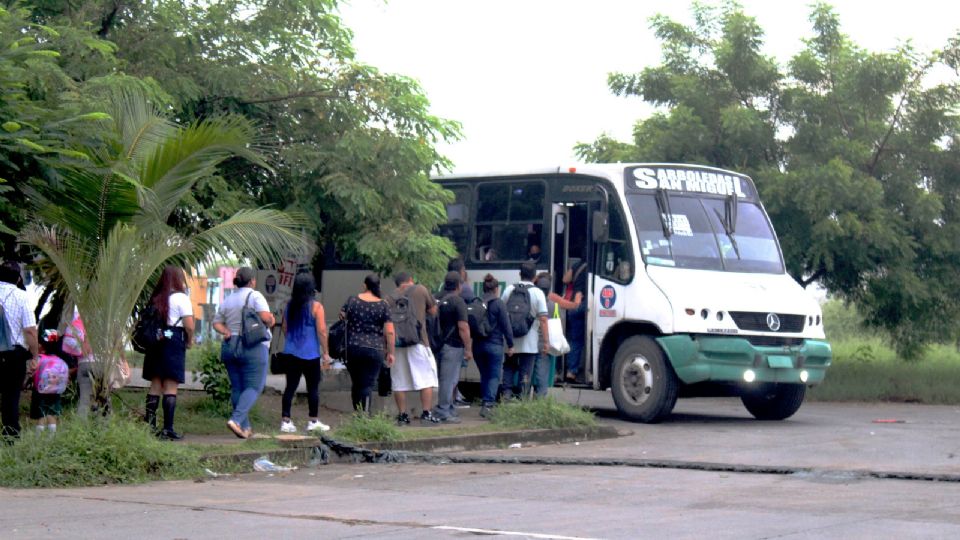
361, 428
547, 413
94, 451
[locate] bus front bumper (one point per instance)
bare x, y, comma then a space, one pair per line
734, 359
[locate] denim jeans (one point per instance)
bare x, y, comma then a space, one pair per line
247, 369
577, 337
517, 371
489, 357
543, 373
449, 372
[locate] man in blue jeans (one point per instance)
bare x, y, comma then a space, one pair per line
455, 331
526, 346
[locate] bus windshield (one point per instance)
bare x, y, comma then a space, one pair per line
694, 236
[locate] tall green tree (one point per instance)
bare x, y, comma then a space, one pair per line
350, 146
854, 152
102, 232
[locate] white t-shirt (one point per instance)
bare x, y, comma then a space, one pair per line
529, 343
19, 314
180, 306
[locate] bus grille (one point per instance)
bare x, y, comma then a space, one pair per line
757, 322
774, 341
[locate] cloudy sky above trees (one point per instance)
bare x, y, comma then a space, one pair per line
528, 79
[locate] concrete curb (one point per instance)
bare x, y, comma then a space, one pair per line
489, 441
315, 451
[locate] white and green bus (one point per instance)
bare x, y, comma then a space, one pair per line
687, 290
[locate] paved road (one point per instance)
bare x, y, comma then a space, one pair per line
541, 501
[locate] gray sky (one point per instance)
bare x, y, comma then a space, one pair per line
527, 78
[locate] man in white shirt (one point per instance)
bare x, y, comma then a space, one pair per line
22, 332
526, 346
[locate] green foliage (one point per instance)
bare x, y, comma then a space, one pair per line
856, 155
363, 427
110, 217
546, 413
868, 370
94, 452
212, 374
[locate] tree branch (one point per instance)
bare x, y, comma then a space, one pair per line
295, 95
896, 118
816, 275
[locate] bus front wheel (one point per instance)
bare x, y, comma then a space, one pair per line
644, 385
774, 401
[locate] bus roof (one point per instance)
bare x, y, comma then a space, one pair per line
609, 170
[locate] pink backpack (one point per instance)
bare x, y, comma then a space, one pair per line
52, 375
73, 336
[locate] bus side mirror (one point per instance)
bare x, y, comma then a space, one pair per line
601, 226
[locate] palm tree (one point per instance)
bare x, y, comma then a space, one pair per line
101, 230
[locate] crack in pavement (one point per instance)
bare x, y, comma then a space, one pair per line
365, 455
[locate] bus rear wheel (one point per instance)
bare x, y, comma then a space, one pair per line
774, 401
644, 385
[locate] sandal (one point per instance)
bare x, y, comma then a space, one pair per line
236, 429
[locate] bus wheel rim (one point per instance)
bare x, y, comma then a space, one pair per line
637, 380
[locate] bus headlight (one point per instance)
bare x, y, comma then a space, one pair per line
804, 376
749, 376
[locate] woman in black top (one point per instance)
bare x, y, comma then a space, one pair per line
488, 351
369, 335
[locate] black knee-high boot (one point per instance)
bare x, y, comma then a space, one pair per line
150, 416
169, 408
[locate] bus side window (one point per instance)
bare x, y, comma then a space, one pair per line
457, 229
616, 257
509, 220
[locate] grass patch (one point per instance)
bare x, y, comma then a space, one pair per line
547, 413
93, 452
367, 428
867, 369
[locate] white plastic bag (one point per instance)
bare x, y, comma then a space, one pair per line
557, 345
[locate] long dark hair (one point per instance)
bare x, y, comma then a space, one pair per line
372, 283
172, 280
301, 300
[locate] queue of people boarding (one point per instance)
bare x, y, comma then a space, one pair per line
423, 339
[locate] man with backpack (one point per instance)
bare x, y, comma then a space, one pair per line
457, 346
414, 367
18, 345
526, 306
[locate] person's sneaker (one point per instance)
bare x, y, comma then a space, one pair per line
170, 435
461, 404
338, 365
450, 420
317, 425
287, 426
428, 417
403, 419
485, 412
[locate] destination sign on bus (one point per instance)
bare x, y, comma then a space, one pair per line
690, 180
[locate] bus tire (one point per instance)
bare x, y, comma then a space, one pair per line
774, 401
644, 385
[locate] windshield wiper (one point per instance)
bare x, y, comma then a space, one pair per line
729, 220
666, 216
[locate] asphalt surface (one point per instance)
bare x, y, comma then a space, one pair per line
827, 445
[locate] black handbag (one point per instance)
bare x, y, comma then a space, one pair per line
252, 328
337, 340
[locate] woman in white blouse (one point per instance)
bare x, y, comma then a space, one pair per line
164, 365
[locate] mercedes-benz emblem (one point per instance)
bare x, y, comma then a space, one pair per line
773, 322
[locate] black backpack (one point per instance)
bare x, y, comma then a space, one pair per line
518, 309
405, 322
478, 318
148, 332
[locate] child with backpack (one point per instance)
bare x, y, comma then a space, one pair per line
49, 382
